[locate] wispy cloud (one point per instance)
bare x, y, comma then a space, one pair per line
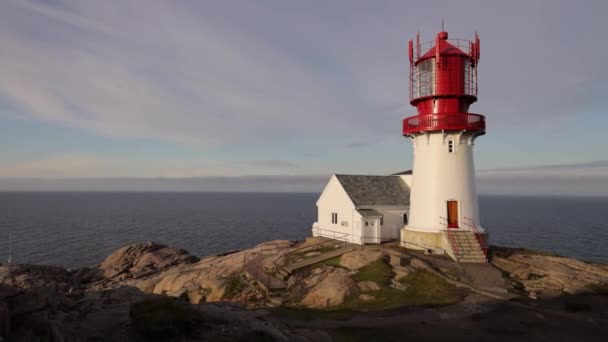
214, 74
309, 183
153, 69
565, 179
287, 80
61, 166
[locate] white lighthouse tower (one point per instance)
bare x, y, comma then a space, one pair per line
444, 214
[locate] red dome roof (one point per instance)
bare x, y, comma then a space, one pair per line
445, 49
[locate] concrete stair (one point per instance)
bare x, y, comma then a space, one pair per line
267, 281
465, 247
284, 272
274, 283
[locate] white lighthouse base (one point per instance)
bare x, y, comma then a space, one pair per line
461, 245
419, 240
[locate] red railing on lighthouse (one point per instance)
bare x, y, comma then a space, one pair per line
444, 121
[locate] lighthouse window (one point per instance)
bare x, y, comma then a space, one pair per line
468, 84
426, 78
450, 146
405, 219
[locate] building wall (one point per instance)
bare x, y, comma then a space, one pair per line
393, 222
334, 199
407, 179
439, 176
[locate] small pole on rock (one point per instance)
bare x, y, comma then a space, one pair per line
10, 248
10, 252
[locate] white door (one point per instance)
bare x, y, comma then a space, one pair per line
370, 231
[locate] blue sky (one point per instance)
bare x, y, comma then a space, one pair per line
145, 89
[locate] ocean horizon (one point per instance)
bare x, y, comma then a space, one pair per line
80, 228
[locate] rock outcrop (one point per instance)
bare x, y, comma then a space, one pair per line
333, 289
55, 304
357, 259
549, 275
143, 257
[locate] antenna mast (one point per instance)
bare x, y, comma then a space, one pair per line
10, 248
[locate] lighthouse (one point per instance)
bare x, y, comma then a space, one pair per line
443, 212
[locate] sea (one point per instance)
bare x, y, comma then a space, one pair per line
76, 229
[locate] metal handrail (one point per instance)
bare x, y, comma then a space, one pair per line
463, 44
251, 254
420, 88
444, 121
452, 239
478, 235
314, 246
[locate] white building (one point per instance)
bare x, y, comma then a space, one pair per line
363, 209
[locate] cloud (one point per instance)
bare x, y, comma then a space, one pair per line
360, 144
274, 164
151, 69
61, 173
55, 166
565, 179
278, 183
83, 166
216, 74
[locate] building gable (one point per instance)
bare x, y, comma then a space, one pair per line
369, 191
334, 192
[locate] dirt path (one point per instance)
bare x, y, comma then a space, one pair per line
474, 319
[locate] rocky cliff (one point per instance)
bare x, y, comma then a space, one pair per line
147, 290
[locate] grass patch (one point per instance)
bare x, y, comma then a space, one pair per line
335, 262
378, 271
424, 289
235, 284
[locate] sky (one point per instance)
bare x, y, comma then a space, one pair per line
278, 95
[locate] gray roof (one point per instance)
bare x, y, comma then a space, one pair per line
369, 213
376, 190
406, 172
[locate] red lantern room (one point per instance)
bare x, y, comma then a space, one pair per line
443, 84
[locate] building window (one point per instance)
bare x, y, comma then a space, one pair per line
450, 146
426, 78
405, 219
382, 220
334, 218
366, 223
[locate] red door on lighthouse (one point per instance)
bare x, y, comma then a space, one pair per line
452, 214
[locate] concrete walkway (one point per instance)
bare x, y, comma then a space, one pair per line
481, 278
319, 258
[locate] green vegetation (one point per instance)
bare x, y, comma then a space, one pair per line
335, 262
378, 271
235, 284
423, 289
160, 318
